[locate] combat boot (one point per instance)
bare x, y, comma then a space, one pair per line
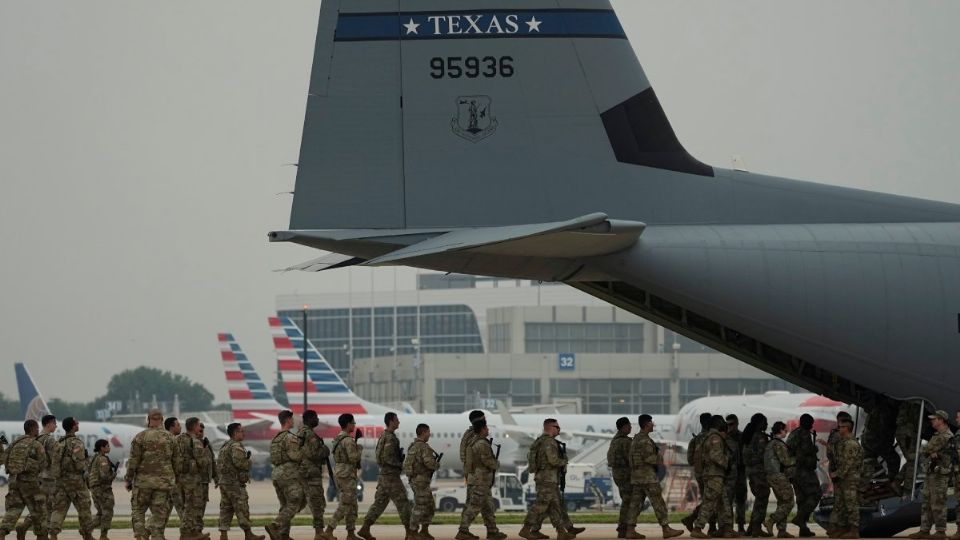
365, 533
247, 535
52, 536
669, 532
351, 535
805, 532
564, 535
727, 532
87, 535
472, 536
698, 533
537, 535
784, 534
411, 534
463, 535
575, 530
22, 530
496, 535
939, 535
103, 534
688, 522
852, 533
525, 532
274, 531
328, 533
320, 534
632, 534
919, 535
424, 533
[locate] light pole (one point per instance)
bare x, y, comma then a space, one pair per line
305, 307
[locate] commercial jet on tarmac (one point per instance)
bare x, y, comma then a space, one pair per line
522, 139
35, 407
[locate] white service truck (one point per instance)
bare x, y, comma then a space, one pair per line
507, 495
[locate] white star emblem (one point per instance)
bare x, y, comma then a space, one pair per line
412, 27
534, 24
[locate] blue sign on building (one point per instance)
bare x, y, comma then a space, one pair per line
567, 362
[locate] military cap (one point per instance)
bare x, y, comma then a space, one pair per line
941, 414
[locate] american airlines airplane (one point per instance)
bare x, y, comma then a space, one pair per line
35, 407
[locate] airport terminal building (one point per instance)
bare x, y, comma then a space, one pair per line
461, 342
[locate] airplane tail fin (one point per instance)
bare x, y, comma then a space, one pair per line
32, 404
250, 399
507, 112
327, 393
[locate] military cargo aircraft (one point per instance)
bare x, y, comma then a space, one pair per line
523, 139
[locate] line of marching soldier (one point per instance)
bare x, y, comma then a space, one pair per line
723, 460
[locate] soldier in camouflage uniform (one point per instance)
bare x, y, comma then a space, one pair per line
193, 461
846, 483
347, 455
705, 420
879, 433
314, 454
419, 466
806, 485
100, 477
68, 464
233, 473
939, 469
832, 445
644, 459
151, 476
618, 460
389, 486
465, 443
714, 460
48, 425
24, 460
285, 457
779, 465
756, 442
208, 473
908, 415
545, 463
172, 426
482, 466
738, 488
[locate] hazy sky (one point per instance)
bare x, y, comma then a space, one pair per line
142, 145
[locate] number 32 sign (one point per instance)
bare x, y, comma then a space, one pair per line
567, 362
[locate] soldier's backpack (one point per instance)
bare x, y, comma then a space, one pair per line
56, 460
534, 463
692, 449
408, 463
276, 451
696, 455
16, 462
615, 458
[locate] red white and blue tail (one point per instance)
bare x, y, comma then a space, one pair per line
249, 397
327, 393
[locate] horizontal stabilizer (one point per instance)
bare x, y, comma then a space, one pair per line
586, 236
331, 261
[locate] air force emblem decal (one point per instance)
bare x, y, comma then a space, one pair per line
474, 120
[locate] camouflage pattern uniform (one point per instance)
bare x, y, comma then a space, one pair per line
934, 508
833, 463
233, 472
715, 461
618, 459
419, 468
846, 487
193, 461
314, 458
285, 457
389, 486
100, 480
779, 464
466, 441
547, 478
906, 434
71, 462
697, 475
737, 487
154, 455
47, 483
347, 454
482, 466
208, 474
644, 459
24, 461
753, 461
806, 484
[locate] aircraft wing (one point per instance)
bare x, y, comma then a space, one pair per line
331, 261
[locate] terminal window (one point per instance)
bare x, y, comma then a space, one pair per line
583, 337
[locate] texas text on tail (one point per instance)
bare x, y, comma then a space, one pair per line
34, 407
523, 139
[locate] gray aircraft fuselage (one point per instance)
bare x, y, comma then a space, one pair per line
555, 161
